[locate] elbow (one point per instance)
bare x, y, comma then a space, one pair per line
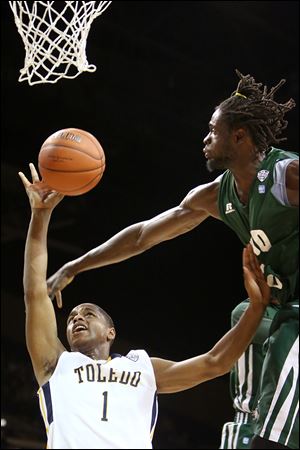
29, 296
218, 366
32, 295
142, 243
28, 299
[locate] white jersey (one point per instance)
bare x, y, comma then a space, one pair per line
100, 404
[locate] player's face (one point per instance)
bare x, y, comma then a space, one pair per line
87, 328
219, 149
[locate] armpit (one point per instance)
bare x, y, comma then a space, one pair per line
284, 181
49, 366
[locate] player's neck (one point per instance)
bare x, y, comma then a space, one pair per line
244, 173
97, 353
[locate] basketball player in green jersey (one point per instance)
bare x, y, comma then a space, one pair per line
244, 382
258, 197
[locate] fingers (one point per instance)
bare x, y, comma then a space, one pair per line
248, 256
254, 263
251, 261
34, 174
47, 194
57, 296
247, 273
245, 257
52, 194
24, 180
58, 299
254, 279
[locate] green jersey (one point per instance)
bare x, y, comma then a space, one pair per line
268, 222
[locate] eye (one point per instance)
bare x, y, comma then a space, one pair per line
89, 314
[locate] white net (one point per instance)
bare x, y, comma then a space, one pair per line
55, 36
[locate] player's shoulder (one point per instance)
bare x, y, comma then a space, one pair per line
278, 154
136, 355
206, 191
282, 163
138, 360
204, 197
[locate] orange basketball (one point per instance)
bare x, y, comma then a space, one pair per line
71, 161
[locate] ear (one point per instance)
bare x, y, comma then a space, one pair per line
240, 135
111, 334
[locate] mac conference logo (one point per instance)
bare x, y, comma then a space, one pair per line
262, 175
133, 356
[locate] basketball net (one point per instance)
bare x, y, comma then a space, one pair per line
55, 36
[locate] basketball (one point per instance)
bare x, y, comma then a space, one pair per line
71, 161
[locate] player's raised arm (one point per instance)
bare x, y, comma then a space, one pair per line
135, 239
177, 376
41, 330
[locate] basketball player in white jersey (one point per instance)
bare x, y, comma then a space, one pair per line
90, 398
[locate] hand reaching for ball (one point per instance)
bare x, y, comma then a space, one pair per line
41, 196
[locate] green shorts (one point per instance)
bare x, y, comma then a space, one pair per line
238, 434
277, 413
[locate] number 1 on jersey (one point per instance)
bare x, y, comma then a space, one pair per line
104, 416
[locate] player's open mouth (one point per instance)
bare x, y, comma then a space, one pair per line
79, 328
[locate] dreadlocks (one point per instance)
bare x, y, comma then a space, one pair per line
252, 106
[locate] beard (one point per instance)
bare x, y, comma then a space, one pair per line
218, 164
222, 162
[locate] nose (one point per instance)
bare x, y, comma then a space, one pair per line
206, 139
77, 317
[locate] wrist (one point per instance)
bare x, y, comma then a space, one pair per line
40, 215
257, 307
71, 268
78, 265
41, 212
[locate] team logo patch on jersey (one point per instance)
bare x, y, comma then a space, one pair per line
228, 208
133, 356
262, 175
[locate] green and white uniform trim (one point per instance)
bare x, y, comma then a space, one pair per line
277, 414
245, 381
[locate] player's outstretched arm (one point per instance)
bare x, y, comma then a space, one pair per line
135, 239
177, 376
41, 330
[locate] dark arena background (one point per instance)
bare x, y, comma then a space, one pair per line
161, 69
